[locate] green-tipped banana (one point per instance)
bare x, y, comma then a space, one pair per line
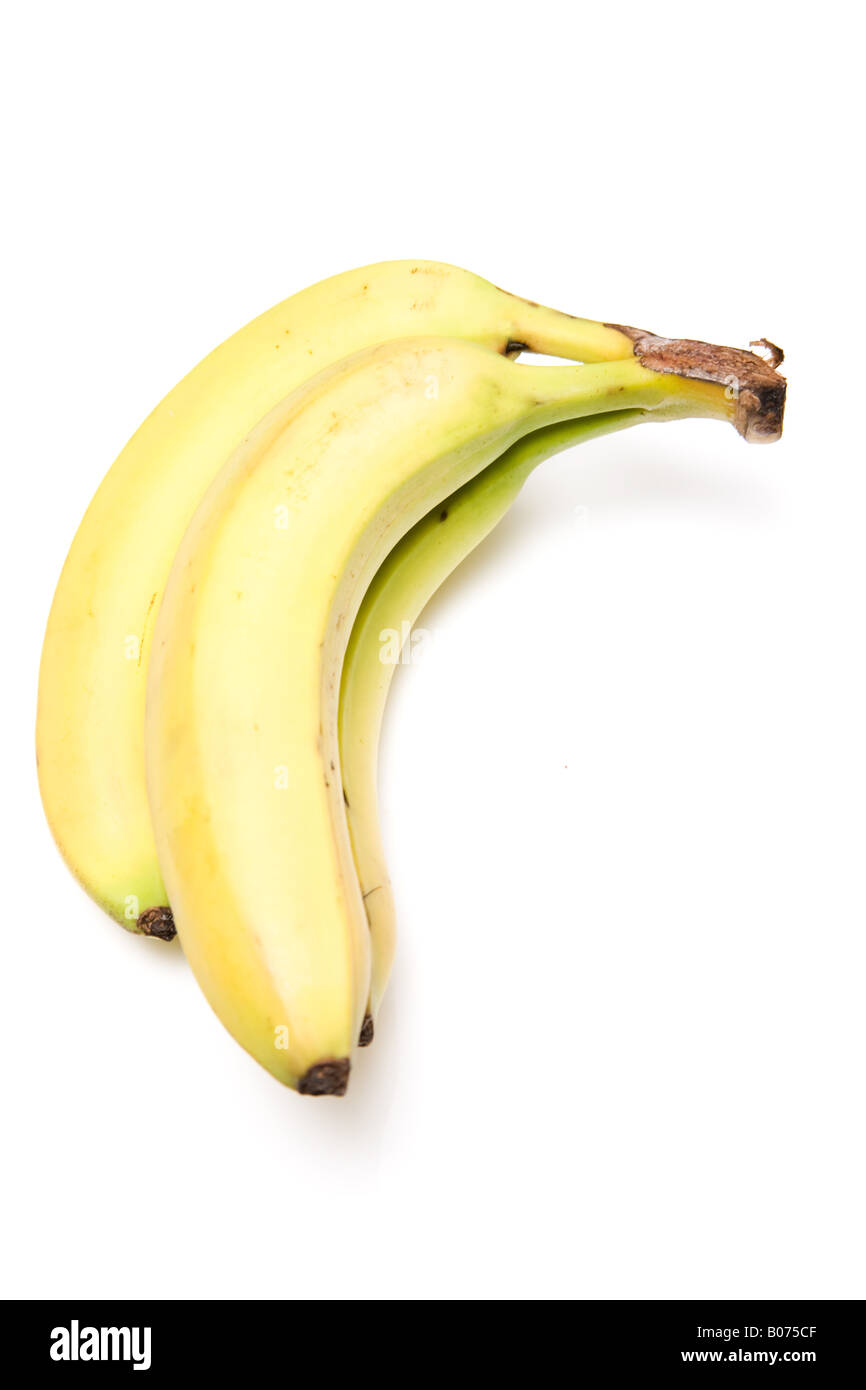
94, 664
243, 756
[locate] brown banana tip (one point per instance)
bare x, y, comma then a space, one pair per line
326, 1078
365, 1037
750, 378
158, 922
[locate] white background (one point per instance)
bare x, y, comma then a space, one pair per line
623, 1051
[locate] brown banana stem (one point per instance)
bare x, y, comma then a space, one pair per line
752, 379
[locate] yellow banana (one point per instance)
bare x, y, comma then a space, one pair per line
242, 738
412, 573
94, 663
401, 588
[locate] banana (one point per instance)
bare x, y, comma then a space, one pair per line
92, 682
401, 589
242, 736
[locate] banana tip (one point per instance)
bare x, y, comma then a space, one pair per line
326, 1078
158, 922
367, 1031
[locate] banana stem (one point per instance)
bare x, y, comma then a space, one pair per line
535, 328
747, 379
747, 382
721, 382
558, 394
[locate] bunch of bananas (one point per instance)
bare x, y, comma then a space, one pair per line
212, 683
